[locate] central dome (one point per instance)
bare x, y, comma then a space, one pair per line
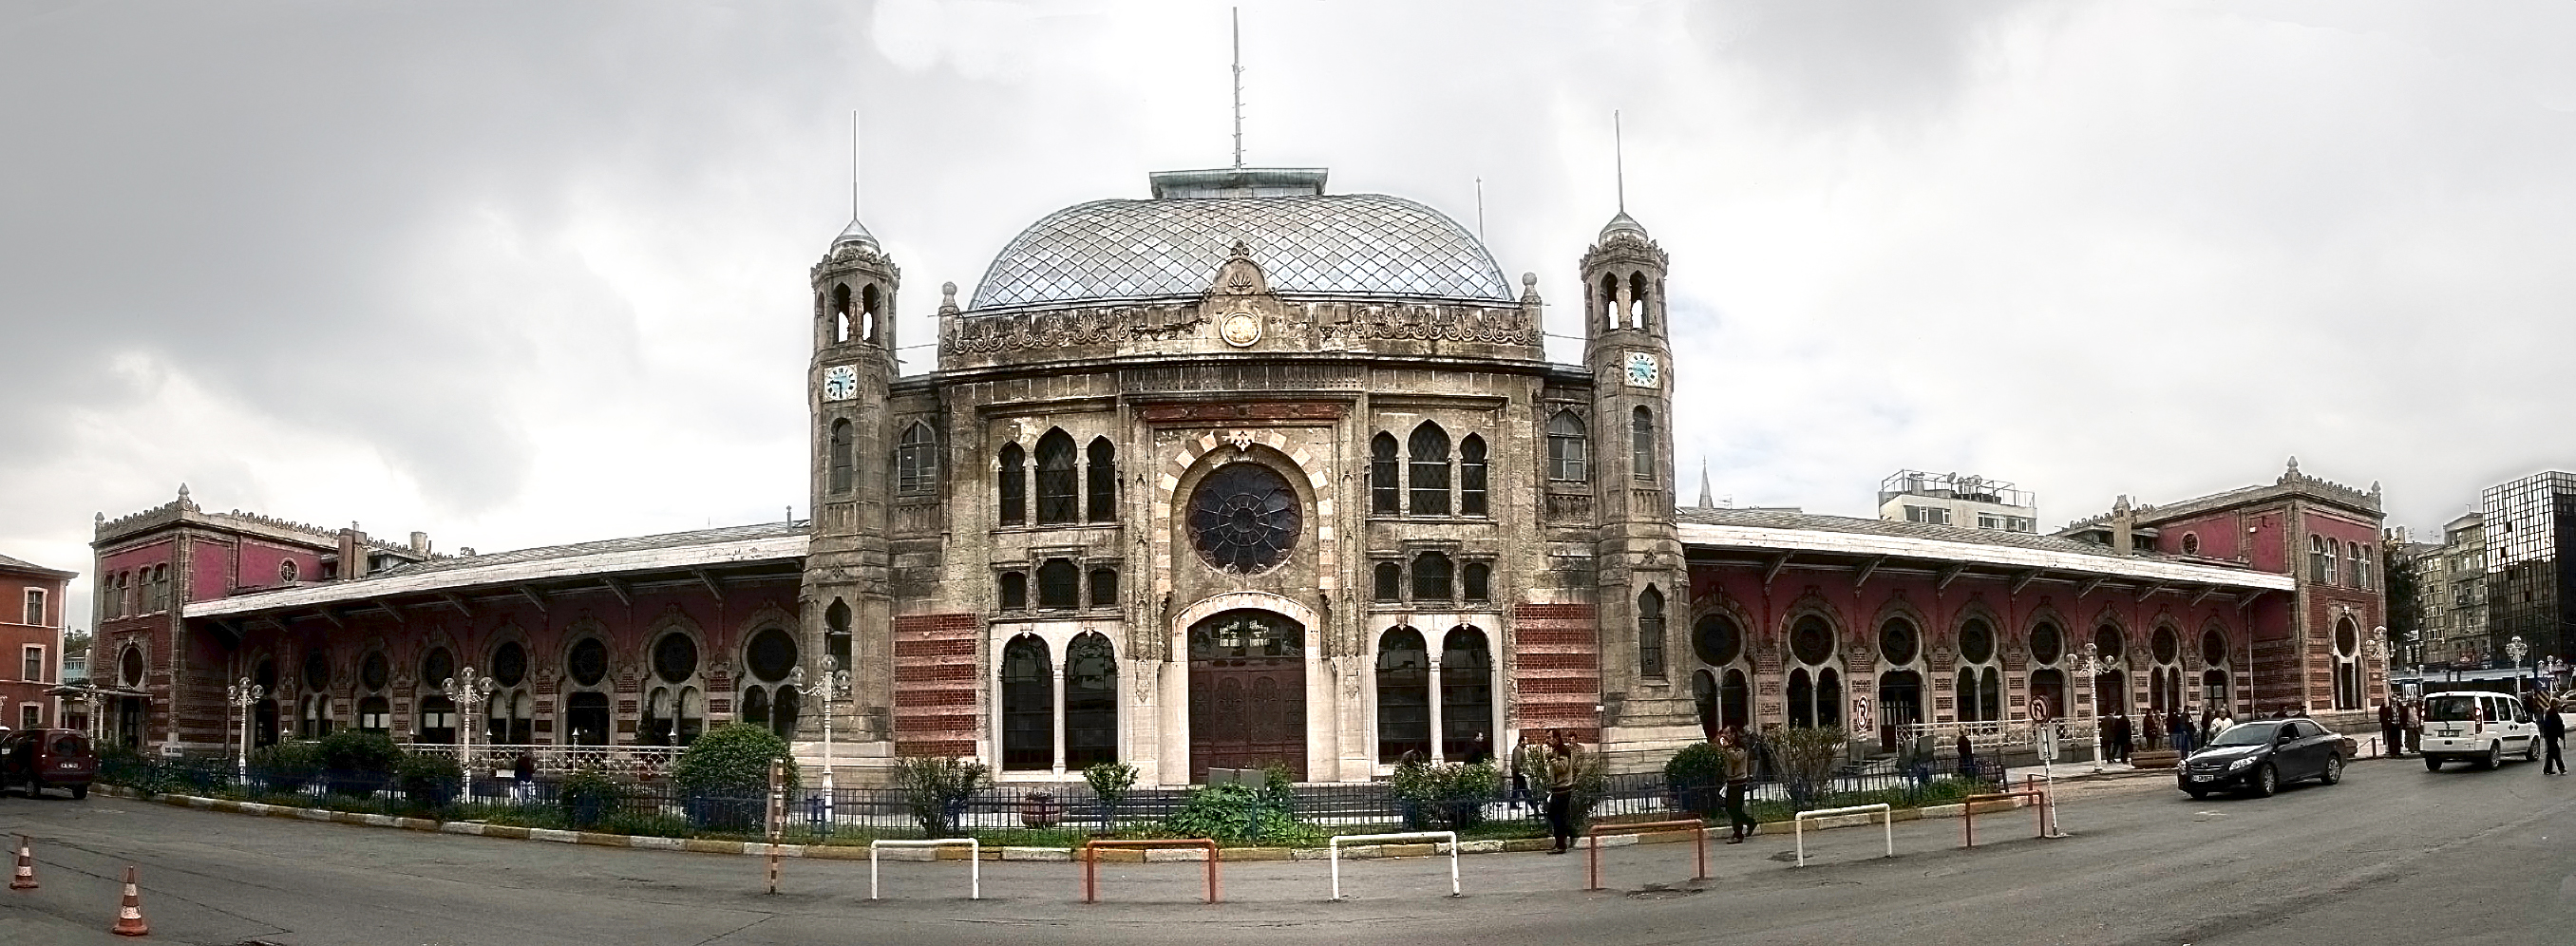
1336, 244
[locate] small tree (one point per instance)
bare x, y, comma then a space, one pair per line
1697, 776
430, 781
1451, 795
937, 790
589, 795
1806, 757
288, 766
359, 761
732, 760
1110, 782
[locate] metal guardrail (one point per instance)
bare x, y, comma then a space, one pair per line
1333, 850
1798, 824
1592, 844
974, 861
1091, 861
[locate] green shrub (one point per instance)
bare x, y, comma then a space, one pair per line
1805, 757
1697, 775
589, 795
430, 781
1240, 814
359, 761
936, 790
732, 761
1451, 795
1110, 782
288, 766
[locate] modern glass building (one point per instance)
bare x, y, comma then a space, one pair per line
2531, 565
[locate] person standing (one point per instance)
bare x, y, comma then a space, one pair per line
2180, 723
2122, 735
1967, 756
2553, 732
1520, 774
2410, 725
2388, 734
524, 772
2155, 732
1739, 775
1561, 769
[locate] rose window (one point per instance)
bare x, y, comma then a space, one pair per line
1244, 517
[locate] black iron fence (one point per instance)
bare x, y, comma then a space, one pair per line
1018, 813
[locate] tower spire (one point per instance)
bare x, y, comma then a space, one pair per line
1707, 499
854, 164
1238, 87
1619, 159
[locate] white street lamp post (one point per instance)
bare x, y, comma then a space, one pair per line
468, 692
242, 696
2092, 671
834, 686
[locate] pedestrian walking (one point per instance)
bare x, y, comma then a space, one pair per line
2410, 724
1967, 756
524, 774
2180, 724
1561, 770
1520, 774
2553, 732
1739, 776
2123, 736
2389, 738
1476, 749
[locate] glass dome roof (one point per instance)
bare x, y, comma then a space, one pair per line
1360, 244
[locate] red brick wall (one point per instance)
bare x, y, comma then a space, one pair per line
1556, 667
934, 684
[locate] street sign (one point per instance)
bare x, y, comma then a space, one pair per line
2044, 735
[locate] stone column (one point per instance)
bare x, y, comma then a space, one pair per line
1436, 756
1057, 672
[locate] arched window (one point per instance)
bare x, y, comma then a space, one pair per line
2347, 665
1610, 301
2050, 684
839, 314
1102, 476
1015, 591
1431, 577
660, 726
1059, 584
836, 634
1386, 493
2359, 555
1829, 697
1466, 695
1058, 498
1104, 587
1802, 698
1011, 486
916, 461
1569, 449
770, 655
1403, 696
586, 718
1641, 447
107, 599
755, 706
1735, 700
872, 305
840, 456
1428, 449
1704, 703
437, 720
1650, 632
1638, 317
1475, 581
1090, 702
2320, 562
315, 720
786, 704
1389, 582
1471, 476
1028, 706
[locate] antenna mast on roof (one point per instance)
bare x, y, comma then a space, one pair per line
1480, 209
1238, 88
854, 164
1619, 159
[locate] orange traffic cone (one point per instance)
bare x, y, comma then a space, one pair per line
129, 918
25, 878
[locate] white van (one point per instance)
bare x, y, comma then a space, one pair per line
2477, 726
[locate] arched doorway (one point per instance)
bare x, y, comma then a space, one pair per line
1247, 693
1900, 682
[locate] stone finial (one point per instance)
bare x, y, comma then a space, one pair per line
183, 491
1529, 281
2294, 466
98, 519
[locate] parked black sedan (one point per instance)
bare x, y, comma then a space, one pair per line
2261, 756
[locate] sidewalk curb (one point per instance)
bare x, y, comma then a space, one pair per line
844, 852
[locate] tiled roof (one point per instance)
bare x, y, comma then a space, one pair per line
1367, 244
638, 543
1799, 533
1775, 519
14, 564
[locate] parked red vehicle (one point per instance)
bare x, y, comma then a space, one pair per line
39, 759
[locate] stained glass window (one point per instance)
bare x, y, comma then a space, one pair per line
1245, 517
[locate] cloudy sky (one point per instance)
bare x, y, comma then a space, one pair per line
517, 274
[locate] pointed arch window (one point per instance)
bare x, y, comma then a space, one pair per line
1058, 497
1638, 318
1650, 632
1471, 476
1011, 486
1428, 451
1569, 449
1059, 584
842, 434
1403, 696
839, 314
1610, 301
872, 306
1475, 581
1090, 701
1641, 445
1101, 474
1028, 706
1386, 493
836, 634
1466, 694
916, 461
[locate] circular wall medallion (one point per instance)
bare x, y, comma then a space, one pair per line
1897, 641
1716, 640
1811, 641
1245, 517
1241, 329
1976, 642
2045, 644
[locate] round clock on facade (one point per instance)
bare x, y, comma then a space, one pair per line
1245, 517
1643, 372
840, 383
1241, 329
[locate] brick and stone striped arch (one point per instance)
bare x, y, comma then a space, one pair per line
1181, 462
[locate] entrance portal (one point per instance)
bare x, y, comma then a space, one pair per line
1247, 693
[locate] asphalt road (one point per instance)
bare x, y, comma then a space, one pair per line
2393, 855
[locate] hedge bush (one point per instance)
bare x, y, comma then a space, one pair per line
1451, 795
288, 766
936, 790
359, 761
732, 760
1698, 775
430, 781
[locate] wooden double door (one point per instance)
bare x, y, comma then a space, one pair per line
1247, 694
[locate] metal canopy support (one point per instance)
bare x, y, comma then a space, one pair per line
1861, 575
1949, 575
2024, 580
387, 605
618, 588
535, 597
1772, 571
333, 618
2151, 591
2204, 595
709, 580
2090, 586
457, 603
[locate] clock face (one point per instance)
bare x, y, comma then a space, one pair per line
1241, 329
840, 383
1643, 372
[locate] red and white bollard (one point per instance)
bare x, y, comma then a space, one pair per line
129, 917
25, 878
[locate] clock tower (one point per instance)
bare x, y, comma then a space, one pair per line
847, 611
1643, 591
